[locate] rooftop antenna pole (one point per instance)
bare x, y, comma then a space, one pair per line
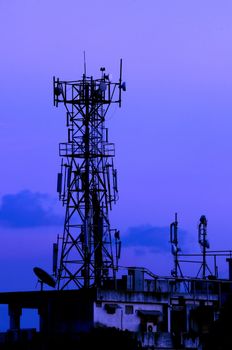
87, 183
84, 64
202, 240
174, 243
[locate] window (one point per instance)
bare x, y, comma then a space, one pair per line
111, 308
98, 304
129, 309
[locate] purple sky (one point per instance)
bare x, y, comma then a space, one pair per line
172, 134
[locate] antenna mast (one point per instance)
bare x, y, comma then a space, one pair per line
87, 183
204, 243
174, 245
84, 64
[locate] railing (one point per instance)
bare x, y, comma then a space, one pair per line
186, 287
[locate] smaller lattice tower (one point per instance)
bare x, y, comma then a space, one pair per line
87, 183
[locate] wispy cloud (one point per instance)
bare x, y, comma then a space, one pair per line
148, 236
28, 209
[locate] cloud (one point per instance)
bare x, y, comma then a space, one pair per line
148, 236
28, 209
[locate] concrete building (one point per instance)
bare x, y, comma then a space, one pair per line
159, 312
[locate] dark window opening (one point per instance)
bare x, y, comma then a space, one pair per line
129, 309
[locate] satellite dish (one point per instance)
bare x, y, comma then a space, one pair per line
44, 277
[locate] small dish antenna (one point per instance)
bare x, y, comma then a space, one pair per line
44, 277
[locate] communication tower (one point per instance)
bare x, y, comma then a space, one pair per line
87, 183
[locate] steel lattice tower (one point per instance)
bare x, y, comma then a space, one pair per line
87, 183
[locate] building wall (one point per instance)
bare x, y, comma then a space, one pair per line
125, 315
